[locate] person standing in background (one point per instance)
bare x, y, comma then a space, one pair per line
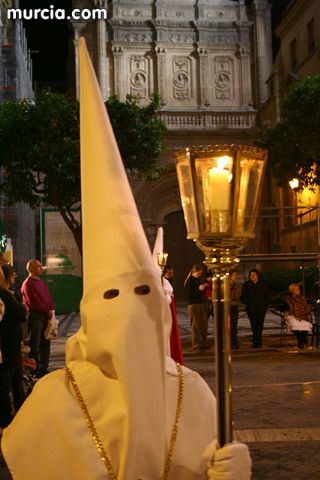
38, 301
168, 273
195, 287
235, 292
255, 295
10, 347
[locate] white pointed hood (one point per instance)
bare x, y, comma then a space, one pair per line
158, 247
123, 308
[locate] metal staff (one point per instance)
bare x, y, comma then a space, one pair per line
221, 304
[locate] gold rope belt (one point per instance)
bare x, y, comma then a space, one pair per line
95, 436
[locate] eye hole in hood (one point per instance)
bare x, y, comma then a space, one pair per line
142, 290
112, 293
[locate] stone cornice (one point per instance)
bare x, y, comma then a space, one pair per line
171, 23
203, 24
206, 121
117, 22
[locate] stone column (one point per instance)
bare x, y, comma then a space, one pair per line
203, 77
161, 73
102, 51
263, 40
117, 54
245, 87
77, 27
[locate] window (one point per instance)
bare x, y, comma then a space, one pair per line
311, 37
293, 54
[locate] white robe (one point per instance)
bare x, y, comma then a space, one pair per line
293, 323
168, 289
49, 438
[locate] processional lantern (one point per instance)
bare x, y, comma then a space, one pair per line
162, 260
220, 187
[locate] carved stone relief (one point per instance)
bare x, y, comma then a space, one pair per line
137, 37
181, 80
179, 13
219, 38
122, 11
217, 13
223, 78
139, 73
175, 37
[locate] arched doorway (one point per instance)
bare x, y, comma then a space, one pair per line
183, 253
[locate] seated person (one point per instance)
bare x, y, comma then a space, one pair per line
297, 316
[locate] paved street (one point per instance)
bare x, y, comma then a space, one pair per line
276, 396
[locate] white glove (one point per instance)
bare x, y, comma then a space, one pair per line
231, 462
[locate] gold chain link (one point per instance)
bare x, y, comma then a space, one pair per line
92, 428
175, 427
99, 446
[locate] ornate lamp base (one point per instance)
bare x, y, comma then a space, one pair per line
219, 259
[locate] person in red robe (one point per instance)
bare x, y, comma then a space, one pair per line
175, 341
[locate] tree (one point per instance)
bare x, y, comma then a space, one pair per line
40, 149
140, 135
294, 143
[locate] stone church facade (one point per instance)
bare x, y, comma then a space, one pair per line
209, 61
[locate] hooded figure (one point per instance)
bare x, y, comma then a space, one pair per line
121, 409
174, 346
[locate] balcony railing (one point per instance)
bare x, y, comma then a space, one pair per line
208, 120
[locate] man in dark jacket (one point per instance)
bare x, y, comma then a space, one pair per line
195, 287
255, 295
10, 353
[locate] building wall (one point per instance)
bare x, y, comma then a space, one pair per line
16, 83
294, 27
196, 55
209, 61
293, 33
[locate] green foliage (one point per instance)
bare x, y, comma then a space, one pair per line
40, 148
294, 143
140, 135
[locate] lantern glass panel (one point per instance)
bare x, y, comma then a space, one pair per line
220, 188
187, 194
250, 175
213, 188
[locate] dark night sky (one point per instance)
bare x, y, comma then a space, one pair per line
48, 40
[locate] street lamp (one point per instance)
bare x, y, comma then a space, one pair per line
220, 187
294, 183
